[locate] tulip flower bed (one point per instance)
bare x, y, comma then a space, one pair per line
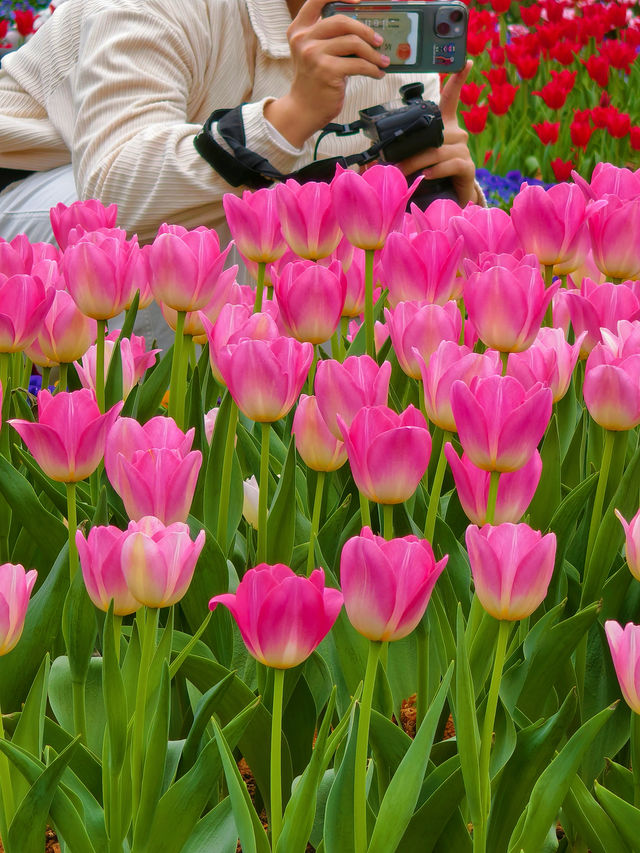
550, 90
405, 464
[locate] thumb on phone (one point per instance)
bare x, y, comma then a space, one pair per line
450, 94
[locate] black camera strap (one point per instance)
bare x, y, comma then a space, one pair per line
240, 166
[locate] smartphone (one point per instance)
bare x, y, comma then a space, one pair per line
419, 35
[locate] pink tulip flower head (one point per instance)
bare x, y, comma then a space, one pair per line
250, 500
186, 267
311, 298
615, 237
499, 423
371, 204
485, 229
611, 386
307, 218
101, 562
632, 542
265, 377
624, 645
66, 334
234, 323
345, 388
388, 452
608, 179
550, 360
158, 562
89, 215
135, 360
68, 440
153, 468
437, 216
552, 224
421, 326
507, 303
387, 584
13, 261
24, 303
100, 272
225, 292
354, 276
423, 267
319, 449
512, 565
597, 306
255, 225
15, 588
282, 616
515, 488
449, 363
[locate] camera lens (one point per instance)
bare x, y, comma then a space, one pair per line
456, 16
443, 28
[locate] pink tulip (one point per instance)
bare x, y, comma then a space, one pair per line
611, 386
90, 215
354, 276
632, 542
226, 291
507, 301
380, 333
515, 488
100, 272
550, 360
316, 444
499, 423
369, 205
624, 645
552, 224
311, 298
388, 452
66, 333
210, 418
511, 566
345, 388
158, 562
68, 441
423, 267
594, 307
135, 360
485, 229
186, 267
387, 584
15, 588
307, 218
153, 468
255, 225
449, 363
437, 216
608, 179
421, 326
35, 354
24, 302
265, 377
282, 616
12, 262
101, 562
250, 500
615, 237
234, 323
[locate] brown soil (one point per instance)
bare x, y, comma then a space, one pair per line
52, 845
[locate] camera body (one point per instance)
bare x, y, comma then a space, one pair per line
407, 130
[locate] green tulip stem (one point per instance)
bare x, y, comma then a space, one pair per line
504, 358
225, 484
46, 372
493, 496
263, 494
26, 372
178, 381
257, 305
548, 281
312, 371
362, 742
365, 511
480, 832
387, 519
422, 662
7, 809
370, 347
276, 756
102, 327
342, 337
147, 621
72, 521
598, 502
635, 757
315, 521
463, 314
63, 373
436, 489
5, 366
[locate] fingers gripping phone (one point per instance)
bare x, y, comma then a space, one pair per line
418, 36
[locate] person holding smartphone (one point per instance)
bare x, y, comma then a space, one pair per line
106, 99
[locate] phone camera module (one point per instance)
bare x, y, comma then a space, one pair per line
456, 16
443, 28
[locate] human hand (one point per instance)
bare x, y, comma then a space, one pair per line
325, 52
452, 159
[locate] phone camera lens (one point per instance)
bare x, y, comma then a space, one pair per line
456, 16
443, 28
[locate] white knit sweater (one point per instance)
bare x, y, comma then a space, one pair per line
120, 88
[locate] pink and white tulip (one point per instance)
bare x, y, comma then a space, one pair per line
66, 333
319, 449
255, 225
611, 386
624, 645
423, 267
16, 586
101, 562
307, 218
90, 215
135, 361
421, 326
485, 229
311, 299
550, 360
632, 542
24, 303
345, 388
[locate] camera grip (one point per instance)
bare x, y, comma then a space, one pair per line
428, 191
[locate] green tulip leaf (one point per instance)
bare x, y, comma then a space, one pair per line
215, 831
591, 821
624, 816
